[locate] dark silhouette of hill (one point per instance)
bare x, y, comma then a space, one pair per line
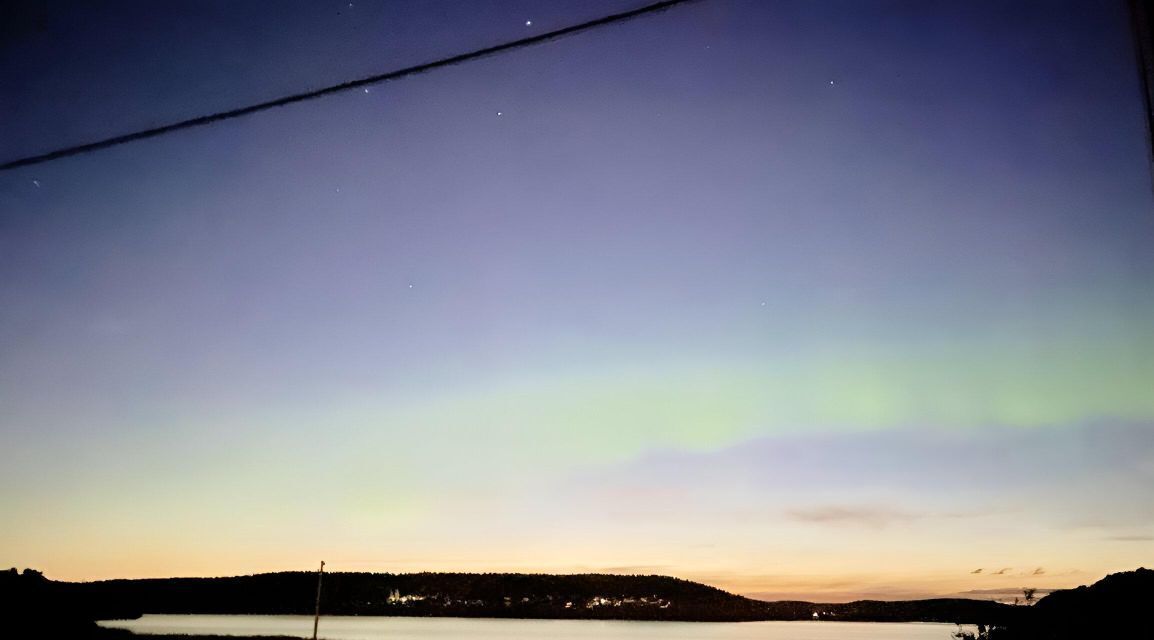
954, 610
593, 596
34, 606
492, 595
1117, 606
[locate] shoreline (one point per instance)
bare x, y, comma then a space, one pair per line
110, 624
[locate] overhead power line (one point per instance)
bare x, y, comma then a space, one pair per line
344, 86
1142, 21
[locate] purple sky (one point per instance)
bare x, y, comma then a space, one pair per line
760, 293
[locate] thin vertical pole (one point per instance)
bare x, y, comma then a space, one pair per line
317, 616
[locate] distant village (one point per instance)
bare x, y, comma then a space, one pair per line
396, 598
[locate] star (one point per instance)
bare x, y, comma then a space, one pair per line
528, 23
366, 89
36, 183
831, 83
410, 285
498, 113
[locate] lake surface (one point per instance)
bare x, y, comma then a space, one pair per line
393, 628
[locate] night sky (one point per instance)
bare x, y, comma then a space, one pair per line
800, 299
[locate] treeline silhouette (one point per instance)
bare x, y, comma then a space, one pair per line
492, 595
1117, 606
34, 606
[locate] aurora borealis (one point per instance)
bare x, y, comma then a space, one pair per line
797, 299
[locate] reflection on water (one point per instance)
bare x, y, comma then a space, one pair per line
377, 628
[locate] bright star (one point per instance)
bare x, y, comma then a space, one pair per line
528, 23
498, 113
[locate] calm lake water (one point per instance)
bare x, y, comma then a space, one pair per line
381, 628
